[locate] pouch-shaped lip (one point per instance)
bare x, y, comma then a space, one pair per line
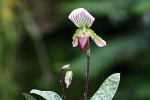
83, 42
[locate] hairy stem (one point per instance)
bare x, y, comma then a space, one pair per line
62, 85
87, 74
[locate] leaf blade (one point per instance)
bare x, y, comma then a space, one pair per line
108, 89
28, 97
48, 95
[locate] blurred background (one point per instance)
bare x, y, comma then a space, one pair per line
36, 40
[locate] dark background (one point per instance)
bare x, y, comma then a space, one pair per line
36, 40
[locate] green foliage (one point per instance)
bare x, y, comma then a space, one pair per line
141, 6
28, 97
105, 92
108, 88
48, 95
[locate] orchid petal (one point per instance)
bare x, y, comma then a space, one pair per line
81, 18
75, 38
75, 42
98, 40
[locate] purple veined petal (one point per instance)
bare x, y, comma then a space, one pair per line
99, 41
81, 18
75, 42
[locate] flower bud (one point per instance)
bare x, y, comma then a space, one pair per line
68, 78
83, 42
66, 66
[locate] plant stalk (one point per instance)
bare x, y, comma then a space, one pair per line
87, 74
62, 85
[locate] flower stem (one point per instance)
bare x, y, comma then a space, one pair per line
62, 85
87, 74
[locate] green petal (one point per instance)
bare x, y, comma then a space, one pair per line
76, 33
98, 40
94, 34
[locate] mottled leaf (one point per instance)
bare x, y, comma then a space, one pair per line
48, 95
28, 97
108, 88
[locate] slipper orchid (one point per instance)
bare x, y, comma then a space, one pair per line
84, 20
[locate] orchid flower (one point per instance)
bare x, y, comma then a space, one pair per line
84, 20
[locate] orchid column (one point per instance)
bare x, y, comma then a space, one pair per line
83, 20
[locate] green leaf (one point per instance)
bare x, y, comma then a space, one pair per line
48, 95
108, 88
28, 97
